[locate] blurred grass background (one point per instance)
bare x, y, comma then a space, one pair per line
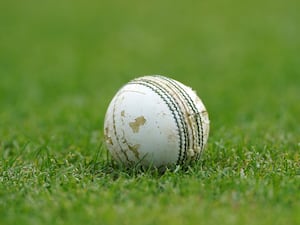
62, 61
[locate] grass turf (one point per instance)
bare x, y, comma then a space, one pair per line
62, 61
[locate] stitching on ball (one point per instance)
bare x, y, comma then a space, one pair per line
190, 102
166, 97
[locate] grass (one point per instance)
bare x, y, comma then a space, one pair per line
62, 61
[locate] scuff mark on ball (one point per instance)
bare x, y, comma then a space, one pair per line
107, 137
138, 122
135, 150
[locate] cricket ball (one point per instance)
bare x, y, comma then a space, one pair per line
156, 121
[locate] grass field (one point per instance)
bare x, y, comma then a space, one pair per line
62, 61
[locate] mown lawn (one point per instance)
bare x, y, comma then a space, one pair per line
61, 63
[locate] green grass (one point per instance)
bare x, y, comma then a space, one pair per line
62, 61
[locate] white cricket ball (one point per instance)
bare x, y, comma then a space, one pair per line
156, 121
